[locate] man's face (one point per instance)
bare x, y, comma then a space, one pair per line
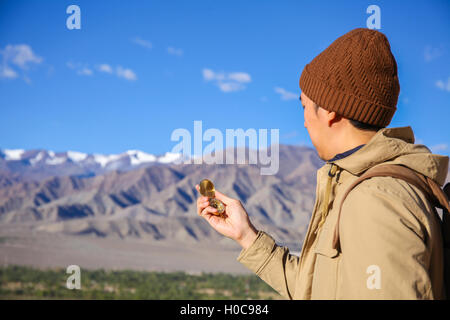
314, 123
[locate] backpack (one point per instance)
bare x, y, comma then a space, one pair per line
438, 198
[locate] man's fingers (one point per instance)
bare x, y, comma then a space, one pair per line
200, 200
208, 210
219, 195
208, 214
201, 205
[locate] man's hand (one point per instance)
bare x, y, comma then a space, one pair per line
234, 223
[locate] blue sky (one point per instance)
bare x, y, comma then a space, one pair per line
138, 70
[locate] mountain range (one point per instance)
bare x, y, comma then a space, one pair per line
35, 165
139, 195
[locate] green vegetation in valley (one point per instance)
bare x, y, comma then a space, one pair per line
19, 282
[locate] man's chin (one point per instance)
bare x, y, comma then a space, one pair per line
322, 157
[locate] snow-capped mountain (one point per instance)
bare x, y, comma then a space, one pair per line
40, 163
82, 195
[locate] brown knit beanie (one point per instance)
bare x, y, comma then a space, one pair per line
356, 76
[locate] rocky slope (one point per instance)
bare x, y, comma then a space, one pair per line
157, 202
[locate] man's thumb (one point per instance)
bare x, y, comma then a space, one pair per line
223, 198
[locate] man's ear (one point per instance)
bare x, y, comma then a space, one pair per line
332, 117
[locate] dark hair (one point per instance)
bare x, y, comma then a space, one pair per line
358, 124
364, 126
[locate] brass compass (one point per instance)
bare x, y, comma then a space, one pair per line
207, 190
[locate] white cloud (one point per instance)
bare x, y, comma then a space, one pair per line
85, 72
81, 69
439, 147
127, 74
286, 95
121, 72
227, 82
20, 56
72, 65
240, 77
7, 72
432, 53
230, 86
105, 68
208, 74
443, 86
175, 51
143, 43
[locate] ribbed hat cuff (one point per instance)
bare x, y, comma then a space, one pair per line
345, 104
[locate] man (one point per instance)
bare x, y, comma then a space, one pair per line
390, 239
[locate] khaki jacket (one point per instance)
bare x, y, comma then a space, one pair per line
390, 238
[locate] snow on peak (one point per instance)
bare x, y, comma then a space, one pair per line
137, 157
169, 157
37, 158
55, 160
13, 154
76, 156
52, 159
103, 160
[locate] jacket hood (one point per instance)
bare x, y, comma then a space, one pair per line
396, 146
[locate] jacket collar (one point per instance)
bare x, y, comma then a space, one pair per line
396, 145
345, 154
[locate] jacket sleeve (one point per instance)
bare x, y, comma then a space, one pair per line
385, 245
272, 263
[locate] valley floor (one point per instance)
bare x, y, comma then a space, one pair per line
21, 245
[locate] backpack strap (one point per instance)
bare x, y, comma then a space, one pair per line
428, 186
